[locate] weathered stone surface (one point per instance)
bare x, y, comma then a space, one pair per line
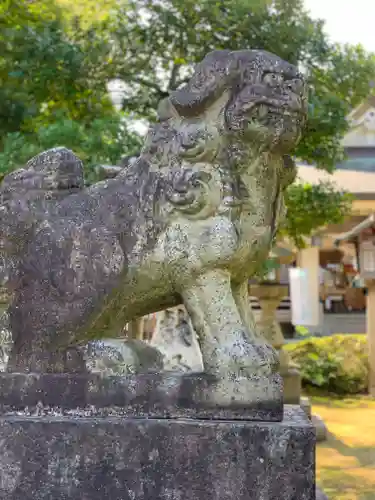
121, 357
292, 386
306, 405
189, 221
153, 395
320, 428
109, 357
175, 337
156, 459
5, 339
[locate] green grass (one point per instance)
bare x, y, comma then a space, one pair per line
346, 461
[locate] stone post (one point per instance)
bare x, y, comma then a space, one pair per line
136, 328
269, 297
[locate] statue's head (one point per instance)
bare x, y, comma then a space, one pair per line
247, 96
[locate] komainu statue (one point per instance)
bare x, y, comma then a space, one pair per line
187, 223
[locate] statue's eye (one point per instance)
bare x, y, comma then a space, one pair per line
273, 78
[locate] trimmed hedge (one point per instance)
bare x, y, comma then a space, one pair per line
337, 364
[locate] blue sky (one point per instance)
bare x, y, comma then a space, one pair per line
347, 21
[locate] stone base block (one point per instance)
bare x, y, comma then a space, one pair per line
292, 386
71, 458
144, 395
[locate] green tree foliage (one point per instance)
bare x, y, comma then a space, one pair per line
337, 84
43, 71
152, 45
337, 364
57, 56
52, 89
312, 206
104, 141
88, 11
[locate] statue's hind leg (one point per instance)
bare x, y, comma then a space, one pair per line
65, 280
42, 360
36, 346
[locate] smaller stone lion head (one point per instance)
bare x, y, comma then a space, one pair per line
25, 193
243, 97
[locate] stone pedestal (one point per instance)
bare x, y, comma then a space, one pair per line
64, 453
269, 297
143, 395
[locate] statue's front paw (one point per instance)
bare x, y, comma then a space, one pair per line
265, 359
245, 373
247, 358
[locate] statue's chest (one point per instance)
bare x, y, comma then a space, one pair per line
256, 217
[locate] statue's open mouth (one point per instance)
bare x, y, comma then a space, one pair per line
264, 110
288, 105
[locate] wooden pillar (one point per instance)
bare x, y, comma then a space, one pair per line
370, 313
135, 329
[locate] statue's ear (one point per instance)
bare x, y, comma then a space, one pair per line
210, 79
166, 110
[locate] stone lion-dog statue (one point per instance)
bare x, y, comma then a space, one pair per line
188, 222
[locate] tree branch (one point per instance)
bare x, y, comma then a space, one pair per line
150, 85
173, 78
